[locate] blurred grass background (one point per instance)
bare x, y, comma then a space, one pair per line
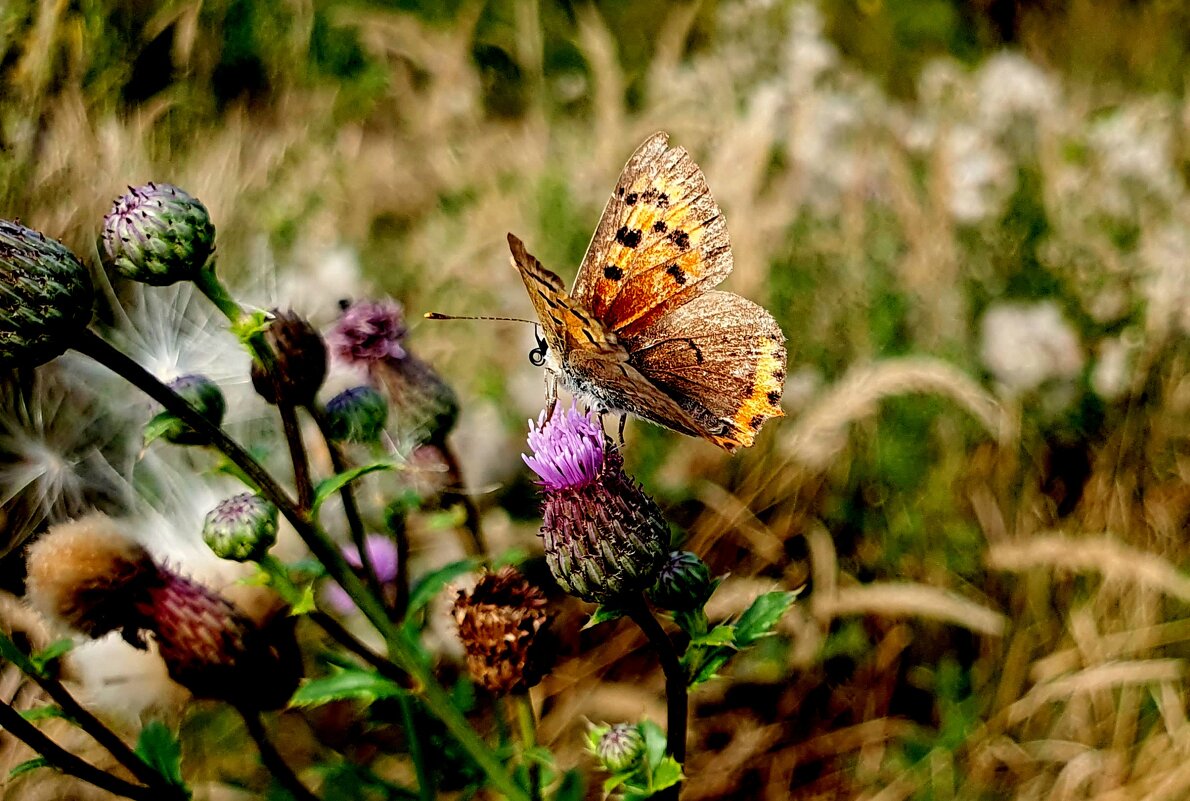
970, 219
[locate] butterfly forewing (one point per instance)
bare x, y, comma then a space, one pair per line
661, 241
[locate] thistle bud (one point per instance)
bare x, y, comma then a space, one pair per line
158, 234
500, 624
200, 392
88, 574
241, 528
620, 747
357, 415
684, 583
604, 537
45, 297
301, 360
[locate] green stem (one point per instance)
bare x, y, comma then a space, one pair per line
676, 697
12, 722
527, 729
425, 781
272, 759
456, 490
401, 653
355, 524
92, 725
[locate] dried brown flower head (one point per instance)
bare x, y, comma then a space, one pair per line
500, 624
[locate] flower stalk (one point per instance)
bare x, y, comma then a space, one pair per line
676, 695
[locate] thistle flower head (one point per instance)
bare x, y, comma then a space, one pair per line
200, 392
368, 332
568, 449
158, 234
241, 528
45, 297
683, 583
357, 415
604, 537
300, 358
618, 747
90, 575
499, 625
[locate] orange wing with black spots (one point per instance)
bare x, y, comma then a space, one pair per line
661, 241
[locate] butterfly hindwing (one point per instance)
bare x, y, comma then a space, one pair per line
722, 357
661, 241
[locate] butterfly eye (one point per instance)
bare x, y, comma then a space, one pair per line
537, 355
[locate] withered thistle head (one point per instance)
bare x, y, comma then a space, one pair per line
89, 575
300, 357
500, 624
45, 297
604, 538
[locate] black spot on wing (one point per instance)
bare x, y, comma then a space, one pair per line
774, 397
676, 273
680, 238
612, 273
662, 201
756, 422
628, 237
631, 198
660, 227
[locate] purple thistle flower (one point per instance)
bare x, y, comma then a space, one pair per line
604, 538
568, 449
369, 332
382, 553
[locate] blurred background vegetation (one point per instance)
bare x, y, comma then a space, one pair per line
970, 219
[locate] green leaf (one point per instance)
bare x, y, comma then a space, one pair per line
249, 325
667, 774
9, 650
46, 656
572, 787
720, 635
704, 665
760, 618
158, 426
693, 622
28, 766
654, 743
44, 712
434, 582
328, 487
158, 746
614, 781
603, 614
346, 685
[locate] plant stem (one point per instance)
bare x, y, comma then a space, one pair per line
425, 781
355, 524
527, 730
401, 653
475, 545
675, 685
12, 722
92, 725
336, 632
297, 448
272, 759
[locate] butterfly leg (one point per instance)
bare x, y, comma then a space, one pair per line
551, 394
623, 420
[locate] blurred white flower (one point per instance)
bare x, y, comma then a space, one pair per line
1023, 345
1134, 149
1165, 263
822, 143
1010, 86
978, 176
1110, 374
808, 53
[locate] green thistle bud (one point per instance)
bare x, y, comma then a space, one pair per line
241, 528
684, 583
357, 415
158, 234
301, 359
200, 392
45, 297
620, 748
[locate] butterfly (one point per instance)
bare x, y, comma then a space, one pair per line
643, 331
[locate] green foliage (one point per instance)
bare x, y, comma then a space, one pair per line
709, 653
159, 747
28, 766
348, 684
330, 486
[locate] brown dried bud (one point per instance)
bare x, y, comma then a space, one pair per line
501, 624
301, 360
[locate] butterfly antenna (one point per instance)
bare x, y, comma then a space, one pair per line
439, 316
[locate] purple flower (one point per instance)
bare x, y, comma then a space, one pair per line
369, 332
382, 553
568, 449
604, 538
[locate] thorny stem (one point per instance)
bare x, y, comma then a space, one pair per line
425, 781
272, 759
92, 725
527, 730
675, 685
355, 524
401, 652
12, 722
